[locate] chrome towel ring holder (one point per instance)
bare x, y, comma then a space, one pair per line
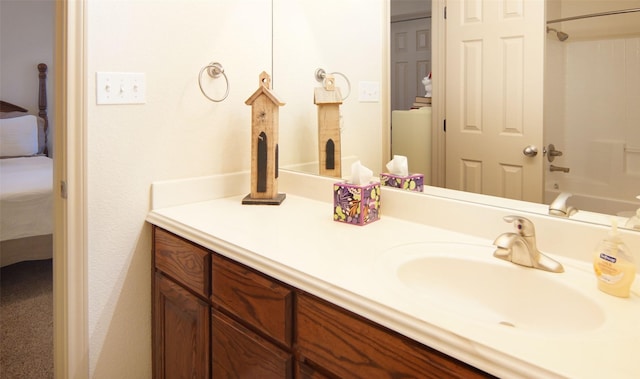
215, 70
321, 74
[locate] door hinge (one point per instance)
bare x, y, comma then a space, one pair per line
63, 189
444, 125
445, 13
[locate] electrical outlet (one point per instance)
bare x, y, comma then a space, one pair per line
120, 88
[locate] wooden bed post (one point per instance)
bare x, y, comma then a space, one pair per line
42, 101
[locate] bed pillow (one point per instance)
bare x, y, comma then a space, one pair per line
19, 136
42, 138
12, 114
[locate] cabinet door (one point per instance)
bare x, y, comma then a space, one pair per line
350, 346
181, 347
239, 353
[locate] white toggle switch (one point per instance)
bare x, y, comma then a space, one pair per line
369, 92
130, 88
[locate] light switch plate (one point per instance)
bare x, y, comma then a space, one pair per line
120, 88
369, 92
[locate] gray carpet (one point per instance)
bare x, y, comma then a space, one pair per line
26, 320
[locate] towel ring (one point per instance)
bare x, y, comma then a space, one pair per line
214, 69
321, 74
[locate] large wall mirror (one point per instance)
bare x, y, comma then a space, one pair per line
587, 105
344, 37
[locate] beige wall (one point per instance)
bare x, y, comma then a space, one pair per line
591, 91
178, 133
309, 35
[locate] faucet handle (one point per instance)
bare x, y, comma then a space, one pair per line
523, 226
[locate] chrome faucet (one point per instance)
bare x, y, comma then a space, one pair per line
553, 168
520, 247
558, 206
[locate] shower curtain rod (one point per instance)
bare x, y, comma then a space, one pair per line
631, 10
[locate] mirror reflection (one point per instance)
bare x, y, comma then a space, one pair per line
591, 97
590, 142
312, 35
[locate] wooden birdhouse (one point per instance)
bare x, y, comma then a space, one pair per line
328, 99
264, 145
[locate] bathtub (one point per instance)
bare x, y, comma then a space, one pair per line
595, 203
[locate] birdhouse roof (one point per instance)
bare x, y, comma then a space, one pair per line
323, 96
262, 90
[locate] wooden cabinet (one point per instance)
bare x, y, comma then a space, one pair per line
214, 317
240, 353
180, 332
259, 301
185, 262
332, 340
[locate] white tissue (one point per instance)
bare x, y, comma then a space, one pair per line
398, 165
360, 175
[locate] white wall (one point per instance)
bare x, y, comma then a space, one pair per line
178, 133
591, 112
27, 39
602, 139
335, 35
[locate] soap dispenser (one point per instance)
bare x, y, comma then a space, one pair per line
613, 264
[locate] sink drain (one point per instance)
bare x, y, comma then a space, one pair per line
507, 323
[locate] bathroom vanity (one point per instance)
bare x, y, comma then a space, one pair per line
284, 291
215, 317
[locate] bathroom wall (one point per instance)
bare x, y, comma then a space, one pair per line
319, 34
591, 112
178, 133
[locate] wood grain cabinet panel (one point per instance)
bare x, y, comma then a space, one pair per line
240, 353
305, 371
253, 298
183, 261
180, 332
349, 346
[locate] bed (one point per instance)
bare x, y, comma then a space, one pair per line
26, 181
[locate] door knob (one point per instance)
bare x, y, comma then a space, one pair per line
530, 151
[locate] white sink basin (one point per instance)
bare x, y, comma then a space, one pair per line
466, 279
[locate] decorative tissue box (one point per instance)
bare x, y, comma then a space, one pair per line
413, 182
356, 204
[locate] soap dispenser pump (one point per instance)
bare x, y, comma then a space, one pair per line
613, 264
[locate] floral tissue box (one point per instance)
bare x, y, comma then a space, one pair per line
413, 182
356, 204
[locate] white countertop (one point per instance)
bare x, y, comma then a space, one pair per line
299, 243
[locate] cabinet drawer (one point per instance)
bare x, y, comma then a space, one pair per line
254, 298
239, 353
349, 346
185, 262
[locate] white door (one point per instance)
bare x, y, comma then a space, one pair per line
494, 76
410, 60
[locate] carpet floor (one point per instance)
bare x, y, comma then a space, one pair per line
26, 320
